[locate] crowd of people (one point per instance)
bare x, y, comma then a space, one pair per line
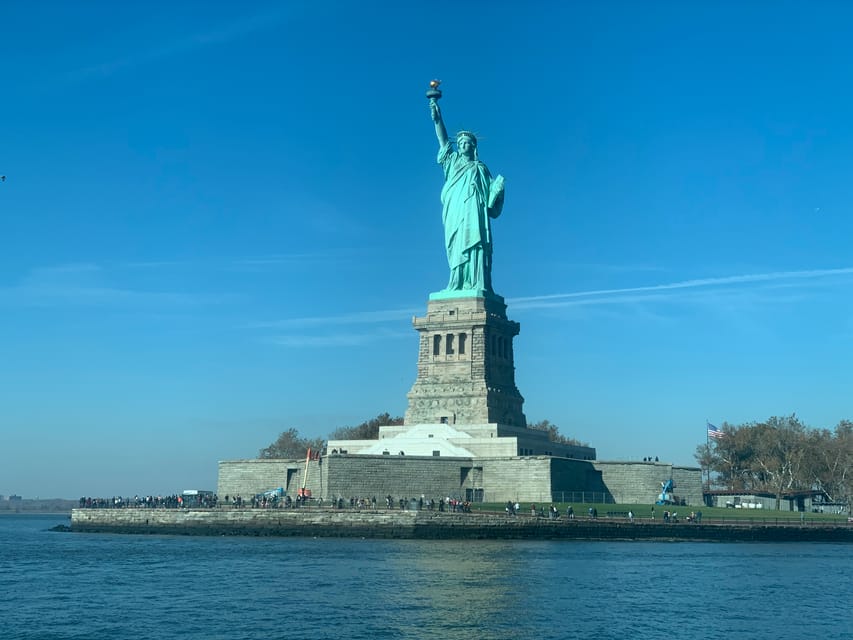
512, 509
273, 501
174, 501
552, 513
282, 501
446, 504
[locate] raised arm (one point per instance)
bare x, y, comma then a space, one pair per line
440, 130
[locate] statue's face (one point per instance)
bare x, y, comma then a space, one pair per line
465, 146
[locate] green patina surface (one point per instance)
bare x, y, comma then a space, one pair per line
470, 198
465, 293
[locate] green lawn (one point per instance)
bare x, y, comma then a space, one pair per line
643, 512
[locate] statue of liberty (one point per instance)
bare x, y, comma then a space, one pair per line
470, 198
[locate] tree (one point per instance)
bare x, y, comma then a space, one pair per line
842, 476
731, 457
368, 430
781, 455
706, 458
830, 466
290, 445
554, 434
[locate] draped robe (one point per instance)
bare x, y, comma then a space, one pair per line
465, 215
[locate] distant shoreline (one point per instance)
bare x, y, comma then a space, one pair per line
62, 512
426, 525
42, 506
36, 512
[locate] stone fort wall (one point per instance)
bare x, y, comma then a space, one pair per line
345, 476
399, 476
640, 482
247, 478
522, 478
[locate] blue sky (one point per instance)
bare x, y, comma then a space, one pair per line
218, 220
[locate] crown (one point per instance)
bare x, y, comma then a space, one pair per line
467, 134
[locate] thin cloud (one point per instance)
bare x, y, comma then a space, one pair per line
334, 331
361, 317
239, 28
82, 295
250, 264
346, 339
153, 264
612, 268
275, 261
781, 286
83, 285
291, 259
606, 296
62, 271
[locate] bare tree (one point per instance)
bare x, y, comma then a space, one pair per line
554, 434
290, 445
368, 430
781, 454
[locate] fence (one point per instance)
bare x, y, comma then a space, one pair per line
591, 497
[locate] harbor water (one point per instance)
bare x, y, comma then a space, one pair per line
58, 586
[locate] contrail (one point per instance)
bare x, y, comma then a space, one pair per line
691, 284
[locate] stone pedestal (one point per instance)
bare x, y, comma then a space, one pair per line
466, 368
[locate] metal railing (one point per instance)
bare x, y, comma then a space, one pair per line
583, 497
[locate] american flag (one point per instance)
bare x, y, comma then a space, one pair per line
713, 432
